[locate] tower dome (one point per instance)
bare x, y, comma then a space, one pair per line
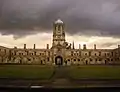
59, 21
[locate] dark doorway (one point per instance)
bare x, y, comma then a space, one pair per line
86, 62
105, 62
20, 61
59, 60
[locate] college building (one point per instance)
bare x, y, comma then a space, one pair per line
60, 53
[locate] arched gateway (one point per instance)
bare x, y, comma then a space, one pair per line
58, 60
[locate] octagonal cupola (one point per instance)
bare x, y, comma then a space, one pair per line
59, 21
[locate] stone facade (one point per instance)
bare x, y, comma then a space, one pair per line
60, 53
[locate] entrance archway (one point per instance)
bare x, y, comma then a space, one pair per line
86, 62
58, 60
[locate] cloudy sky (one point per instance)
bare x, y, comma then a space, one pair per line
87, 22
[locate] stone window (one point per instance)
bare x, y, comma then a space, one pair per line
48, 59
100, 59
117, 58
68, 59
95, 54
108, 54
111, 59
105, 54
95, 59
74, 59
112, 53
78, 59
85, 54
35, 53
108, 59
89, 53
72, 53
48, 53
40, 53
15, 53
90, 59
79, 53
27, 52
99, 53
59, 26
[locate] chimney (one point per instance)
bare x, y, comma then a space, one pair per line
34, 46
73, 45
118, 46
24, 46
47, 46
84, 46
95, 46
79, 46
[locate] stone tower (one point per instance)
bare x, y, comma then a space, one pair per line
58, 44
58, 33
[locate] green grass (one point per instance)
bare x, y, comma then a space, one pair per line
95, 72
25, 71
45, 72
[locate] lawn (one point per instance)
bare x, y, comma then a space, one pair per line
25, 71
94, 72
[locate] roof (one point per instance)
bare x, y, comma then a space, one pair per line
59, 21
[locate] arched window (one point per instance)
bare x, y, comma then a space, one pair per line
105, 54
35, 52
68, 59
71, 53
96, 59
90, 59
99, 53
78, 59
85, 54
48, 59
112, 53
59, 27
108, 54
89, 53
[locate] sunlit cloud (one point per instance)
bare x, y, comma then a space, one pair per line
43, 38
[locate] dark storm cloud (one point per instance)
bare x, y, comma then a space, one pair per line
88, 17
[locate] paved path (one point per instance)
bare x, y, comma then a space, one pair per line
60, 77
